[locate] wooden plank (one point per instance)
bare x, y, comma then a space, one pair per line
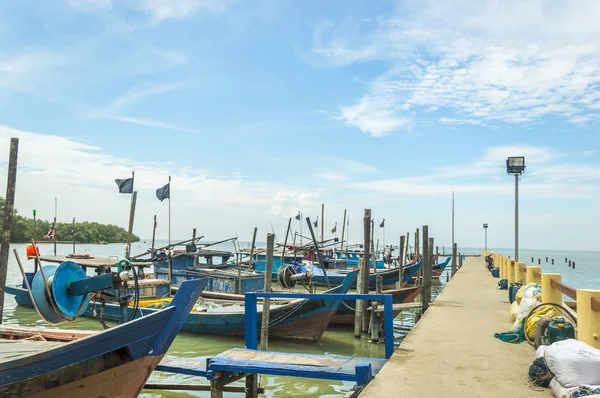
565, 289
195, 387
187, 366
400, 307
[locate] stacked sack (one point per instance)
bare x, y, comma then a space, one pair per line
576, 368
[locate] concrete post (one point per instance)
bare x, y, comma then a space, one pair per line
549, 294
588, 320
511, 271
531, 278
520, 276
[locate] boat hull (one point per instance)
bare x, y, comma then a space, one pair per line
115, 363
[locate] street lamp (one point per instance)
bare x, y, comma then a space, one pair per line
516, 165
485, 228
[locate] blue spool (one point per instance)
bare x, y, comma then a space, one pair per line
59, 278
66, 273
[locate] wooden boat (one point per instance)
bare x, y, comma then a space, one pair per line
390, 276
113, 363
345, 312
298, 319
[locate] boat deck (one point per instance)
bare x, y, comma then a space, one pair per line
333, 367
92, 262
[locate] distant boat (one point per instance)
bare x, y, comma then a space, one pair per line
113, 363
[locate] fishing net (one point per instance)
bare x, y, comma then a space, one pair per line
539, 373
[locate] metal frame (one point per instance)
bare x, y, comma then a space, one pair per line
250, 302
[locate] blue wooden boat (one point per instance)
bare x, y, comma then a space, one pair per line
390, 276
113, 363
441, 266
297, 319
209, 265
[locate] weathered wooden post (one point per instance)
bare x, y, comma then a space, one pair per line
573, 264
417, 245
366, 270
374, 322
264, 329
569, 263
153, 237
546, 259
343, 230
539, 261
565, 260
454, 249
427, 274
426, 289
532, 260
9, 203
322, 223
358, 313
400, 263
552, 261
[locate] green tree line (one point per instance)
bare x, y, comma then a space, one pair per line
22, 230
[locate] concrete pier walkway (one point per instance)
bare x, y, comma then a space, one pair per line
452, 351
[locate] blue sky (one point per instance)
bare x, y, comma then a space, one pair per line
261, 108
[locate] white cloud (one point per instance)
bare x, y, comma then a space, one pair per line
82, 177
513, 61
374, 116
588, 153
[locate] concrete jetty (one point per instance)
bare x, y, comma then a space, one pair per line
452, 351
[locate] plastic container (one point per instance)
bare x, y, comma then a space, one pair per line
559, 330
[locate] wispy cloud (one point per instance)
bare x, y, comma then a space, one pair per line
513, 61
588, 153
152, 123
136, 94
160, 10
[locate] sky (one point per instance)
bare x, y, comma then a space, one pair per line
259, 109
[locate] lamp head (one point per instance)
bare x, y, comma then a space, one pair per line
515, 165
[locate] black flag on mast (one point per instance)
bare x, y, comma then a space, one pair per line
382, 223
298, 216
316, 223
125, 185
164, 192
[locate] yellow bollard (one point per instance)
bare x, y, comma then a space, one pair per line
588, 320
549, 294
531, 278
520, 276
510, 267
502, 267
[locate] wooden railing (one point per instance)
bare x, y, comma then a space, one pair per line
565, 289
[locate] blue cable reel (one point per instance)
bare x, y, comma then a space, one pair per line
50, 290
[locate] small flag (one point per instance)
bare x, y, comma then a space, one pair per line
125, 185
316, 223
50, 233
382, 223
298, 216
334, 229
164, 192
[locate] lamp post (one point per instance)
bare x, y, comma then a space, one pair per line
516, 165
485, 229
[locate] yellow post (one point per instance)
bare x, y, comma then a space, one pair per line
502, 267
531, 278
588, 320
549, 294
510, 271
520, 276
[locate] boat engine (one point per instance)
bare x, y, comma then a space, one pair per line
288, 277
60, 294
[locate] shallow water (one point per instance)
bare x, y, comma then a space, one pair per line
336, 340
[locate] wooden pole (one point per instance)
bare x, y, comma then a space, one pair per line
169, 210
253, 243
417, 245
73, 233
321, 265
154, 235
9, 203
364, 288
400, 262
359, 308
55, 215
427, 267
343, 231
287, 232
264, 329
453, 259
130, 229
407, 245
322, 222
